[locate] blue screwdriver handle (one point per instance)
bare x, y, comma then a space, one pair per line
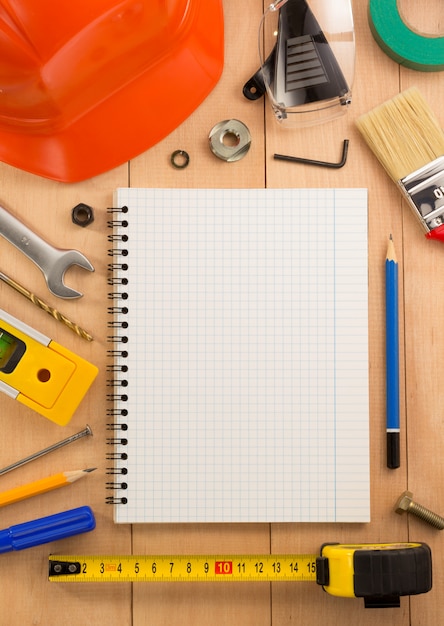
47, 529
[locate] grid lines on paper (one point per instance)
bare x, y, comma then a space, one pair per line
248, 355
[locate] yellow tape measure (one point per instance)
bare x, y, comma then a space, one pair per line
183, 568
379, 573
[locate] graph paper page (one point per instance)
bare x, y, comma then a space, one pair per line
246, 355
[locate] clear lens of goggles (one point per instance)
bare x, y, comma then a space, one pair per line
307, 70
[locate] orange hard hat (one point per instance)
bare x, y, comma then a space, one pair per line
90, 84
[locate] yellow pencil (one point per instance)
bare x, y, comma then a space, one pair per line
42, 486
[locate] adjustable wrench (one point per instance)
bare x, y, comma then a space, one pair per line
52, 261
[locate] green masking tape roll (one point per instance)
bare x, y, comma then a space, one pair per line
418, 52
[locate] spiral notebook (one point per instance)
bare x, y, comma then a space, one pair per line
239, 370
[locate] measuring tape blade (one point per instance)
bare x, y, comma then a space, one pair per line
183, 568
379, 573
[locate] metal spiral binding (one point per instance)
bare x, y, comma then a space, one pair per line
117, 251
114, 267
116, 456
114, 426
118, 209
116, 223
114, 500
113, 382
116, 367
117, 324
117, 397
117, 281
116, 412
116, 486
117, 296
118, 353
117, 441
115, 471
118, 371
123, 471
112, 238
117, 339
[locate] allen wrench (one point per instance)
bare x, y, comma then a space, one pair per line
293, 159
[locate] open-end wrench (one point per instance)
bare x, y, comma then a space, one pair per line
52, 261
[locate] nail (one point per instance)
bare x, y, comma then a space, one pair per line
55, 446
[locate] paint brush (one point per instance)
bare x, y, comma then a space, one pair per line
407, 139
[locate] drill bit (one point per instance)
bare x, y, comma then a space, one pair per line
45, 307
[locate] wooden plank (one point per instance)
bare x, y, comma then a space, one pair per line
25, 594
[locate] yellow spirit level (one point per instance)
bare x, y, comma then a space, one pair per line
379, 573
40, 373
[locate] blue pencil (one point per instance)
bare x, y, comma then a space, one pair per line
392, 357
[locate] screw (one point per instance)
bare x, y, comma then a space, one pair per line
405, 504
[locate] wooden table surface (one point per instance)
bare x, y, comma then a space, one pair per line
26, 597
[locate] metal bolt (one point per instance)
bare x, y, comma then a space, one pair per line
405, 504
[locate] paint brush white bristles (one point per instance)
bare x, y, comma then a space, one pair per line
403, 133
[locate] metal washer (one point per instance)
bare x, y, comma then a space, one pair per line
180, 159
227, 152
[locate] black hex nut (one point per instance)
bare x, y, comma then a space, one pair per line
82, 215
